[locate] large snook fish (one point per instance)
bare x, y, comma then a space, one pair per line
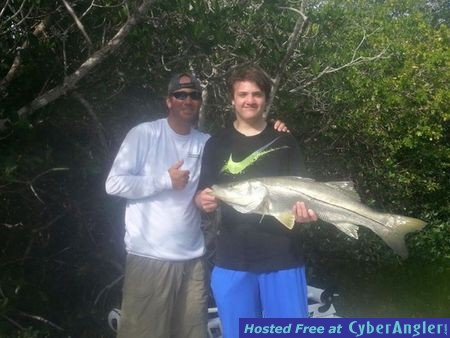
334, 202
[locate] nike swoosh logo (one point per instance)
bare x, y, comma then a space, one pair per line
234, 168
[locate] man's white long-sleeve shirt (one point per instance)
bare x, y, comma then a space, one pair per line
160, 222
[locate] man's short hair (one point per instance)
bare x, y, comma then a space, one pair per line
175, 84
252, 73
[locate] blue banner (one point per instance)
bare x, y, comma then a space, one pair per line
343, 327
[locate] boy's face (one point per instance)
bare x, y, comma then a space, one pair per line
249, 101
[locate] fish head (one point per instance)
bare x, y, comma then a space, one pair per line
245, 196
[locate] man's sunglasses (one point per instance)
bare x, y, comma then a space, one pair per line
183, 95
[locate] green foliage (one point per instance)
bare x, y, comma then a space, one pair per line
387, 120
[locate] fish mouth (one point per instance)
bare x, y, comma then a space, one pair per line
216, 191
221, 194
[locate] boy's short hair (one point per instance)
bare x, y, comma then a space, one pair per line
252, 73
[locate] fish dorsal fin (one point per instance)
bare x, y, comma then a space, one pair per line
346, 187
348, 228
286, 218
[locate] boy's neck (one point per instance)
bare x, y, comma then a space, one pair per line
250, 128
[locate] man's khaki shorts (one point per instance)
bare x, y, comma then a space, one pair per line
164, 299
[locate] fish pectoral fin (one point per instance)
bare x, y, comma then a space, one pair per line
349, 229
286, 218
262, 217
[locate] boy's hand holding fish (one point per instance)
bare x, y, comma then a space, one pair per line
205, 201
303, 214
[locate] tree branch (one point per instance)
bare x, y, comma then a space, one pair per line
37, 231
13, 322
294, 38
353, 62
72, 80
18, 59
107, 288
41, 319
98, 125
15, 14
40, 175
77, 22
4, 7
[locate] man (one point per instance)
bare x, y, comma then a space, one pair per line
259, 268
157, 170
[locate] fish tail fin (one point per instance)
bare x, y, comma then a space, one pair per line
396, 227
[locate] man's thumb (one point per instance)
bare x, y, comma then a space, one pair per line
177, 164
